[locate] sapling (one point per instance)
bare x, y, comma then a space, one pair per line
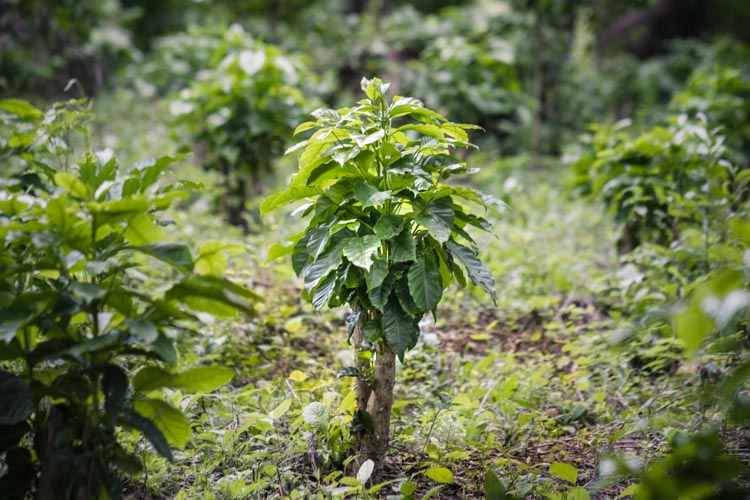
386, 234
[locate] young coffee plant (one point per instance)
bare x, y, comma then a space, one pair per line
244, 108
386, 234
84, 338
663, 182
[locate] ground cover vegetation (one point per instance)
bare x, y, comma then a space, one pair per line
374, 249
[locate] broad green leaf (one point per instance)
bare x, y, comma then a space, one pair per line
217, 296
141, 230
377, 274
276, 250
566, 472
213, 256
388, 226
281, 410
404, 249
379, 295
17, 402
86, 292
297, 376
171, 422
20, 108
202, 379
174, 254
323, 292
328, 261
142, 328
493, 488
10, 323
437, 227
399, 330
116, 209
149, 429
578, 493
150, 378
478, 274
442, 475
424, 129
72, 185
369, 195
360, 251
317, 239
692, 325
290, 194
425, 284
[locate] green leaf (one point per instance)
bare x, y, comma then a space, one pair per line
360, 251
142, 328
17, 402
372, 331
203, 379
437, 227
149, 429
404, 248
442, 475
20, 108
324, 291
399, 329
328, 261
142, 230
292, 193
566, 472
425, 284
578, 493
212, 257
10, 324
174, 254
214, 295
86, 292
72, 185
379, 296
317, 239
369, 195
276, 250
692, 325
478, 274
388, 226
171, 422
378, 273
150, 378
493, 488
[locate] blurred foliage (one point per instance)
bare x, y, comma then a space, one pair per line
75, 323
243, 106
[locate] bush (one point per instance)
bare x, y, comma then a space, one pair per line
84, 341
244, 108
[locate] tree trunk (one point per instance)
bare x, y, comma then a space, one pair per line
374, 398
536, 126
233, 200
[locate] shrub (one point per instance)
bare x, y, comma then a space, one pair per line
386, 234
244, 107
84, 340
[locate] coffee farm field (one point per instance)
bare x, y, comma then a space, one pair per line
381, 249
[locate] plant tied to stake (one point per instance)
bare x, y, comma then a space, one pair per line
386, 234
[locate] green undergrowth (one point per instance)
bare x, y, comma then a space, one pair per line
533, 389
